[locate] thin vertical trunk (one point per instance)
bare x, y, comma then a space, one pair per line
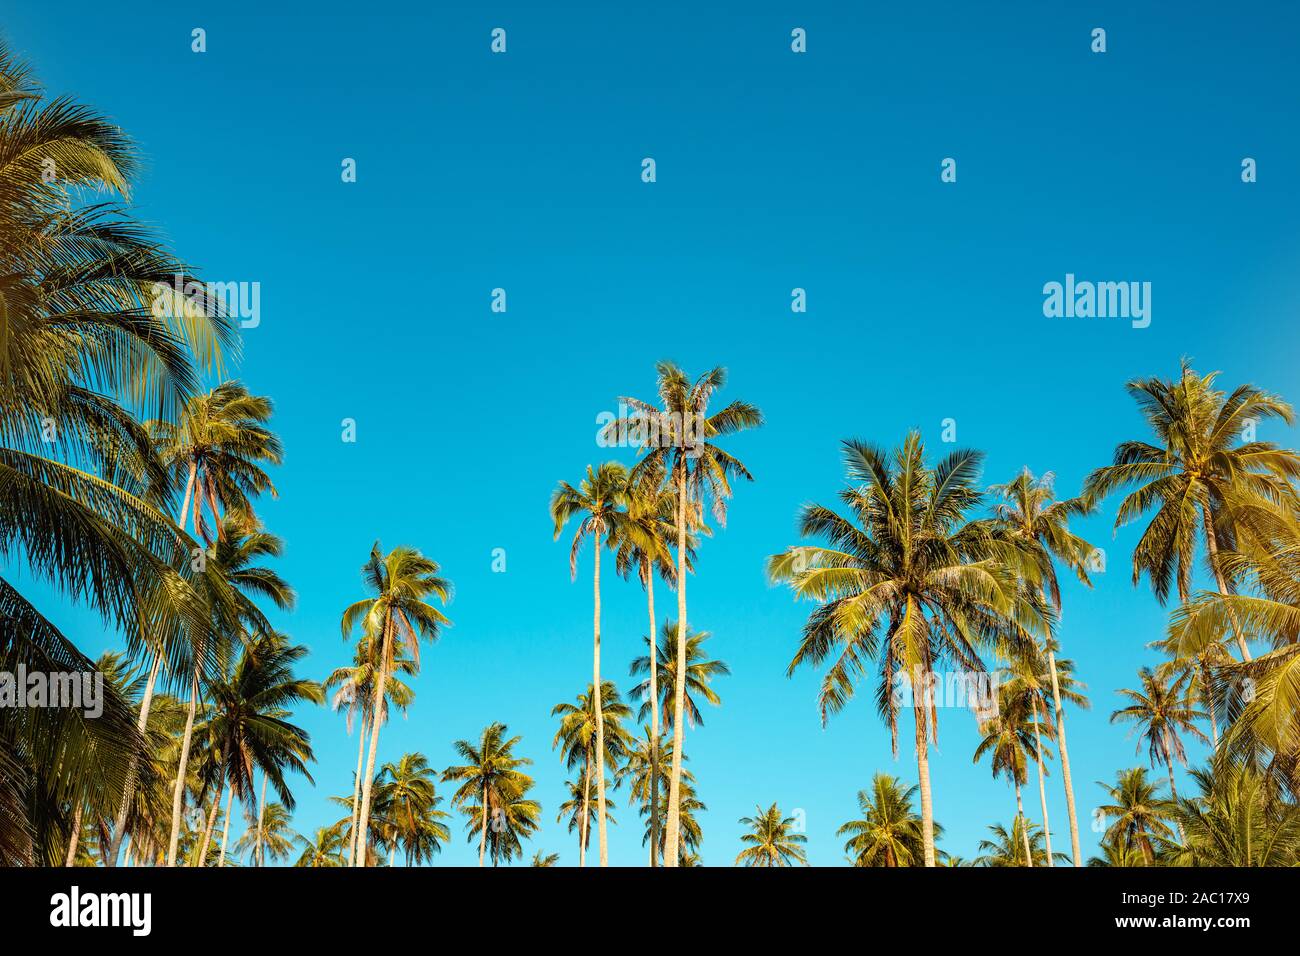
356, 791
119, 827
377, 708
1173, 790
600, 720
74, 836
482, 835
671, 830
260, 846
1042, 782
584, 827
225, 831
1065, 760
654, 718
1212, 546
212, 822
189, 492
923, 773
1209, 702
1024, 826
178, 792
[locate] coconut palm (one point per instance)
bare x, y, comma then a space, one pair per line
692, 835
1135, 815
679, 444
1028, 512
1235, 820
1198, 468
889, 833
598, 503
491, 783
548, 860
1161, 714
773, 840
578, 740
403, 582
325, 849
514, 819
1011, 740
580, 811
268, 834
1007, 847
700, 672
912, 585
406, 797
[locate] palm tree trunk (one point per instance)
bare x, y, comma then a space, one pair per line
119, 828
600, 720
189, 492
178, 793
260, 846
377, 708
356, 791
1024, 826
654, 719
923, 774
1173, 790
671, 834
1042, 782
585, 826
225, 831
74, 836
1212, 546
212, 823
1065, 760
1209, 703
482, 834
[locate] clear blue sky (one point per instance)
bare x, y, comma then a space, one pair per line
775, 170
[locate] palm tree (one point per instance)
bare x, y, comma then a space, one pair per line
1006, 848
1010, 740
889, 833
692, 835
912, 585
700, 672
580, 812
679, 443
598, 504
406, 797
1160, 712
403, 581
1196, 471
514, 819
1235, 820
1136, 814
354, 694
490, 783
268, 834
772, 840
578, 740
1027, 511
323, 850
549, 860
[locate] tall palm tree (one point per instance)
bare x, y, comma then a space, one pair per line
1010, 740
889, 833
325, 849
1192, 475
578, 740
1027, 511
580, 812
1135, 815
598, 504
403, 582
353, 688
268, 834
772, 840
491, 782
1235, 820
1007, 847
1161, 713
407, 798
679, 444
912, 585
515, 819
700, 672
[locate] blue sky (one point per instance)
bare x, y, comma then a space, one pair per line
775, 171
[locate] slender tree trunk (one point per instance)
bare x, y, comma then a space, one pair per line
74, 836
1065, 761
585, 826
654, 718
923, 773
1173, 790
212, 823
178, 793
671, 830
356, 791
119, 827
377, 708
260, 846
600, 719
225, 830
1024, 826
1209, 702
1212, 546
189, 492
1042, 782
482, 834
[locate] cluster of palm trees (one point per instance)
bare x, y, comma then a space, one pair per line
133, 491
